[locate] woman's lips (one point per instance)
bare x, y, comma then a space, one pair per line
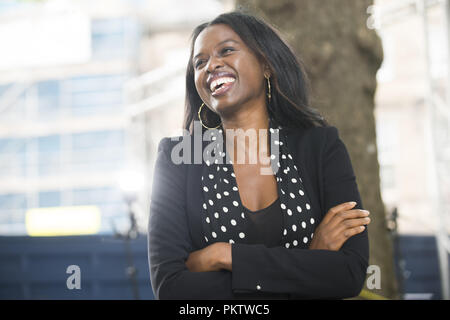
223, 89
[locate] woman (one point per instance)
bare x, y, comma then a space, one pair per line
228, 229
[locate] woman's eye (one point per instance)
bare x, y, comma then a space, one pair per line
198, 63
226, 50
223, 51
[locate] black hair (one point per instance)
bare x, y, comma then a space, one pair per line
289, 104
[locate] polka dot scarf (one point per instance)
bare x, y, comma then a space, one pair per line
223, 216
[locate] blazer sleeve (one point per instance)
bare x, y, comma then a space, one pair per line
169, 241
304, 273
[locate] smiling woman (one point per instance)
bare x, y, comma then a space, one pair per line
225, 230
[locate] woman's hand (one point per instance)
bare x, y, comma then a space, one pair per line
214, 257
339, 224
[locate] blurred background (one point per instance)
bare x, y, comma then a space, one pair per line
88, 89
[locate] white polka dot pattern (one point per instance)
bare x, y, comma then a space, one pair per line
222, 199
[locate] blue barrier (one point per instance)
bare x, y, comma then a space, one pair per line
35, 268
417, 265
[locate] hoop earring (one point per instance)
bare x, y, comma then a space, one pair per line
200, 118
269, 93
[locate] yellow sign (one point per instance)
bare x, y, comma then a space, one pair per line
63, 221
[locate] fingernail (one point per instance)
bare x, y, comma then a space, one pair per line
352, 203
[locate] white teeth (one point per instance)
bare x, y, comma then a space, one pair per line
219, 81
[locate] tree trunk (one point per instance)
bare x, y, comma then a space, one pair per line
341, 56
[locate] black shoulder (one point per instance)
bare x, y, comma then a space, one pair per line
331, 134
318, 135
166, 144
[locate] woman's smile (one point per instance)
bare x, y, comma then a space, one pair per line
221, 86
220, 82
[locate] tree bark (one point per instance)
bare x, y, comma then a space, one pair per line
341, 56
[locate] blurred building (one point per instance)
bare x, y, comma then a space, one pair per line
413, 136
413, 143
87, 89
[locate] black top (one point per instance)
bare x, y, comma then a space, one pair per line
175, 230
266, 226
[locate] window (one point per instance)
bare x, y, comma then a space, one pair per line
15, 95
98, 151
12, 157
96, 94
96, 139
48, 155
95, 196
4, 88
114, 38
48, 98
12, 210
13, 201
49, 199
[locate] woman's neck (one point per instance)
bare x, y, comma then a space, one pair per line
246, 140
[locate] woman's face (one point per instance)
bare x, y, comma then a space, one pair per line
227, 74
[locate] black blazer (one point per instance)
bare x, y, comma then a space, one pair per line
175, 230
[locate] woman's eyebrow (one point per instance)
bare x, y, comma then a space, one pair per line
221, 42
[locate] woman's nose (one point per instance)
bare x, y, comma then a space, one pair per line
213, 64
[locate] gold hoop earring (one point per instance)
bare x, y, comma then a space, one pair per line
200, 118
269, 94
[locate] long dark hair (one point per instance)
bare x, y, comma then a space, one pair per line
289, 105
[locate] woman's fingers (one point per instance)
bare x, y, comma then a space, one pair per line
352, 231
340, 223
348, 214
349, 227
337, 209
345, 234
355, 222
342, 216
